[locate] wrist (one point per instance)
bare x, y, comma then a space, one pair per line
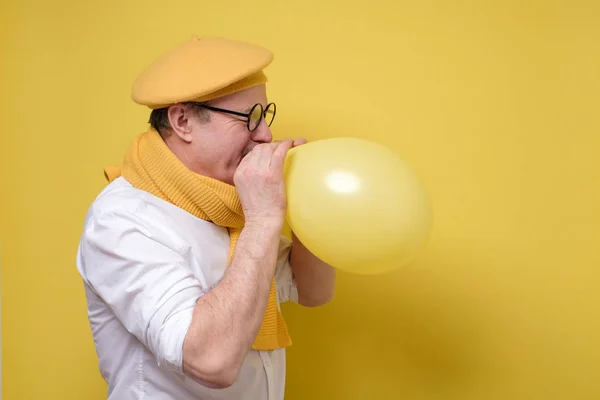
266, 224
259, 241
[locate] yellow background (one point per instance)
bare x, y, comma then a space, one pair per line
495, 104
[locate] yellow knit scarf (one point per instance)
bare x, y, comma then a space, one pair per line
149, 165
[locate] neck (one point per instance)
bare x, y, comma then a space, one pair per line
183, 151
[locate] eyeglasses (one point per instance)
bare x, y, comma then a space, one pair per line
256, 114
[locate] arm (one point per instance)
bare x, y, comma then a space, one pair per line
153, 292
315, 280
226, 320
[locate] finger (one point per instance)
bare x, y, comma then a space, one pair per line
267, 150
300, 141
248, 154
253, 157
280, 152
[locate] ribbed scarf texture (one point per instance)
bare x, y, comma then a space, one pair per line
150, 165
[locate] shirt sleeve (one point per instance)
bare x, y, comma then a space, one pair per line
148, 285
284, 278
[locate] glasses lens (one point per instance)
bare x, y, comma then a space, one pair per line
270, 113
255, 116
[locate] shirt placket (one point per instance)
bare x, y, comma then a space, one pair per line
268, 366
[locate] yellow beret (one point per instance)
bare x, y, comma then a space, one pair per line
201, 69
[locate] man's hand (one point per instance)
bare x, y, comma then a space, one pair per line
260, 184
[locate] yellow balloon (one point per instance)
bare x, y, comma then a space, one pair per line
356, 204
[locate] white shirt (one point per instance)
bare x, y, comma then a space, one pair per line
144, 264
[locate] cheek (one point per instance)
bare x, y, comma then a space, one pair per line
228, 145
242, 145
236, 151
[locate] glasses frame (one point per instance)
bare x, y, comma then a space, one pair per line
246, 115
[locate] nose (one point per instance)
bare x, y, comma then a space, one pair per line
262, 133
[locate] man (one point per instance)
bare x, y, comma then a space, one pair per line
182, 255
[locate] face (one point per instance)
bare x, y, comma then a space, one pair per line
216, 148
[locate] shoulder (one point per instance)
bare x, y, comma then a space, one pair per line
125, 224
121, 200
122, 210
122, 213
119, 196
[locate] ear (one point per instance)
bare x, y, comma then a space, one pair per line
181, 123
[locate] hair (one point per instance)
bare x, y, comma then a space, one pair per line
159, 118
